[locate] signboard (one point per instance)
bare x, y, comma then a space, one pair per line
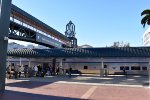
47, 40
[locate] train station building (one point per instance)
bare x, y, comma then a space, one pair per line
87, 60
64, 52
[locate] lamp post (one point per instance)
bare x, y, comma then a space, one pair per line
5, 9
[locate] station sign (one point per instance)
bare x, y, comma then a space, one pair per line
47, 40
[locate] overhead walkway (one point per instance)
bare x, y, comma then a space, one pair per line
25, 27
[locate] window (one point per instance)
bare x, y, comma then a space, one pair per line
144, 68
135, 68
85, 67
121, 67
126, 67
105, 66
64, 59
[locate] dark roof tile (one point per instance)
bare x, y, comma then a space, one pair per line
83, 52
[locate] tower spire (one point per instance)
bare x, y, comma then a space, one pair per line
70, 33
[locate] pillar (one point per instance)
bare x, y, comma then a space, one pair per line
29, 63
61, 67
5, 8
102, 67
53, 66
20, 61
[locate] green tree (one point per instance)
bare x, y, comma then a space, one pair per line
120, 44
146, 19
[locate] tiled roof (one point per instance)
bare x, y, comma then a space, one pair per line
83, 52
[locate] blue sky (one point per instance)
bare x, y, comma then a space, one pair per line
98, 22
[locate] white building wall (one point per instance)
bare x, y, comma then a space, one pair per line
113, 64
146, 37
93, 64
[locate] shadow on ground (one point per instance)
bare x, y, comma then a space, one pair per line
35, 82
27, 84
15, 95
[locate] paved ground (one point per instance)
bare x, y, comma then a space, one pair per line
78, 88
118, 80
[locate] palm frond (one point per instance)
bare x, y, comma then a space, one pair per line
147, 11
145, 20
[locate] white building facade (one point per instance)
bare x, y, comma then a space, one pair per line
146, 37
133, 65
136, 60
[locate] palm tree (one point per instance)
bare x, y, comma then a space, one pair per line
146, 19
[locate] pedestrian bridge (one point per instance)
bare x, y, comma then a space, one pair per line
25, 27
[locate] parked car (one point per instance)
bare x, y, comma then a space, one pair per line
75, 71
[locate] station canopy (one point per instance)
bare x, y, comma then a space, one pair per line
82, 52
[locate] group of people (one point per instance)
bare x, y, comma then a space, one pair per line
16, 71
26, 71
40, 71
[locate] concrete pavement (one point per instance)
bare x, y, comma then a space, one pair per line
77, 88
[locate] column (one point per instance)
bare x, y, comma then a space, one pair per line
61, 67
102, 67
5, 8
29, 62
30, 74
20, 61
53, 66
7, 62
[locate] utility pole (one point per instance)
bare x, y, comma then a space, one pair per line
5, 10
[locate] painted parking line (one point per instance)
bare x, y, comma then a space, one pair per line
89, 92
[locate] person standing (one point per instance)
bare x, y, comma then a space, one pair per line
63, 71
35, 70
26, 69
124, 71
70, 70
40, 70
50, 70
30, 71
16, 69
105, 70
57, 71
8, 69
19, 70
